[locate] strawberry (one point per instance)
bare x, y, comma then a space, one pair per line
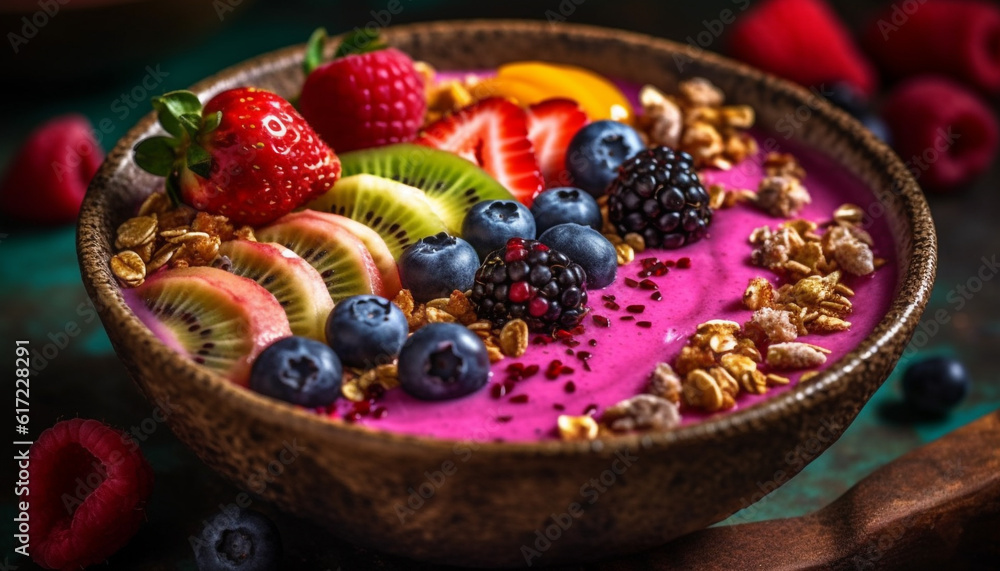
247, 155
48, 177
493, 134
551, 126
368, 96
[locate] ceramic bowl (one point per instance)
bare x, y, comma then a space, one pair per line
483, 503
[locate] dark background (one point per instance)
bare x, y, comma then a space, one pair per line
86, 59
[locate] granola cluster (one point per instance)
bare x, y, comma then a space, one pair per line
445, 97
697, 121
718, 363
360, 385
162, 234
797, 249
509, 341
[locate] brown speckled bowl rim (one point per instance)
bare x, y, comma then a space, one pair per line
913, 286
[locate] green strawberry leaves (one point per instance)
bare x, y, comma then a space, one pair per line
156, 155
314, 50
360, 41
199, 160
180, 115
170, 107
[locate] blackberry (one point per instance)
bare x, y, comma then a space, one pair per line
528, 280
659, 196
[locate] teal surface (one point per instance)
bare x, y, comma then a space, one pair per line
43, 300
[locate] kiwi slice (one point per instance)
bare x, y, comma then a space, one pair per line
400, 213
375, 244
452, 184
297, 286
220, 320
340, 257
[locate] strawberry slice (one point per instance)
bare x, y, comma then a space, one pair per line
493, 134
551, 126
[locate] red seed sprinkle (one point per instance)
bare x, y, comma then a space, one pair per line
515, 368
497, 391
571, 343
628, 318
586, 366
608, 297
657, 296
602, 321
578, 330
592, 342
567, 370
584, 355
631, 282
648, 284
542, 340
380, 412
638, 308
552, 372
375, 391
669, 263
508, 386
519, 399
559, 406
530, 371
644, 324
612, 305
570, 352
645, 273
684, 263
661, 271
569, 387
562, 334
504, 419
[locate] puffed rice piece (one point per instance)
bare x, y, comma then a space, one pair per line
794, 356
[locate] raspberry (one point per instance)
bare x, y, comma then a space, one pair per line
88, 490
957, 38
46, 181
946, 135
367, 97
530, 281
801, 40
658, 195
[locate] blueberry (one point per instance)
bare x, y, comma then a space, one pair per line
561, 205
850, 99
443, 361
587, 247
489, 224
845, 96
238, 540
935, 385
366, 330
596, 152
877, 126
298, 370
436, 266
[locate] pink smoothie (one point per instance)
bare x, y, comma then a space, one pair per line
626, 353
622, 356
